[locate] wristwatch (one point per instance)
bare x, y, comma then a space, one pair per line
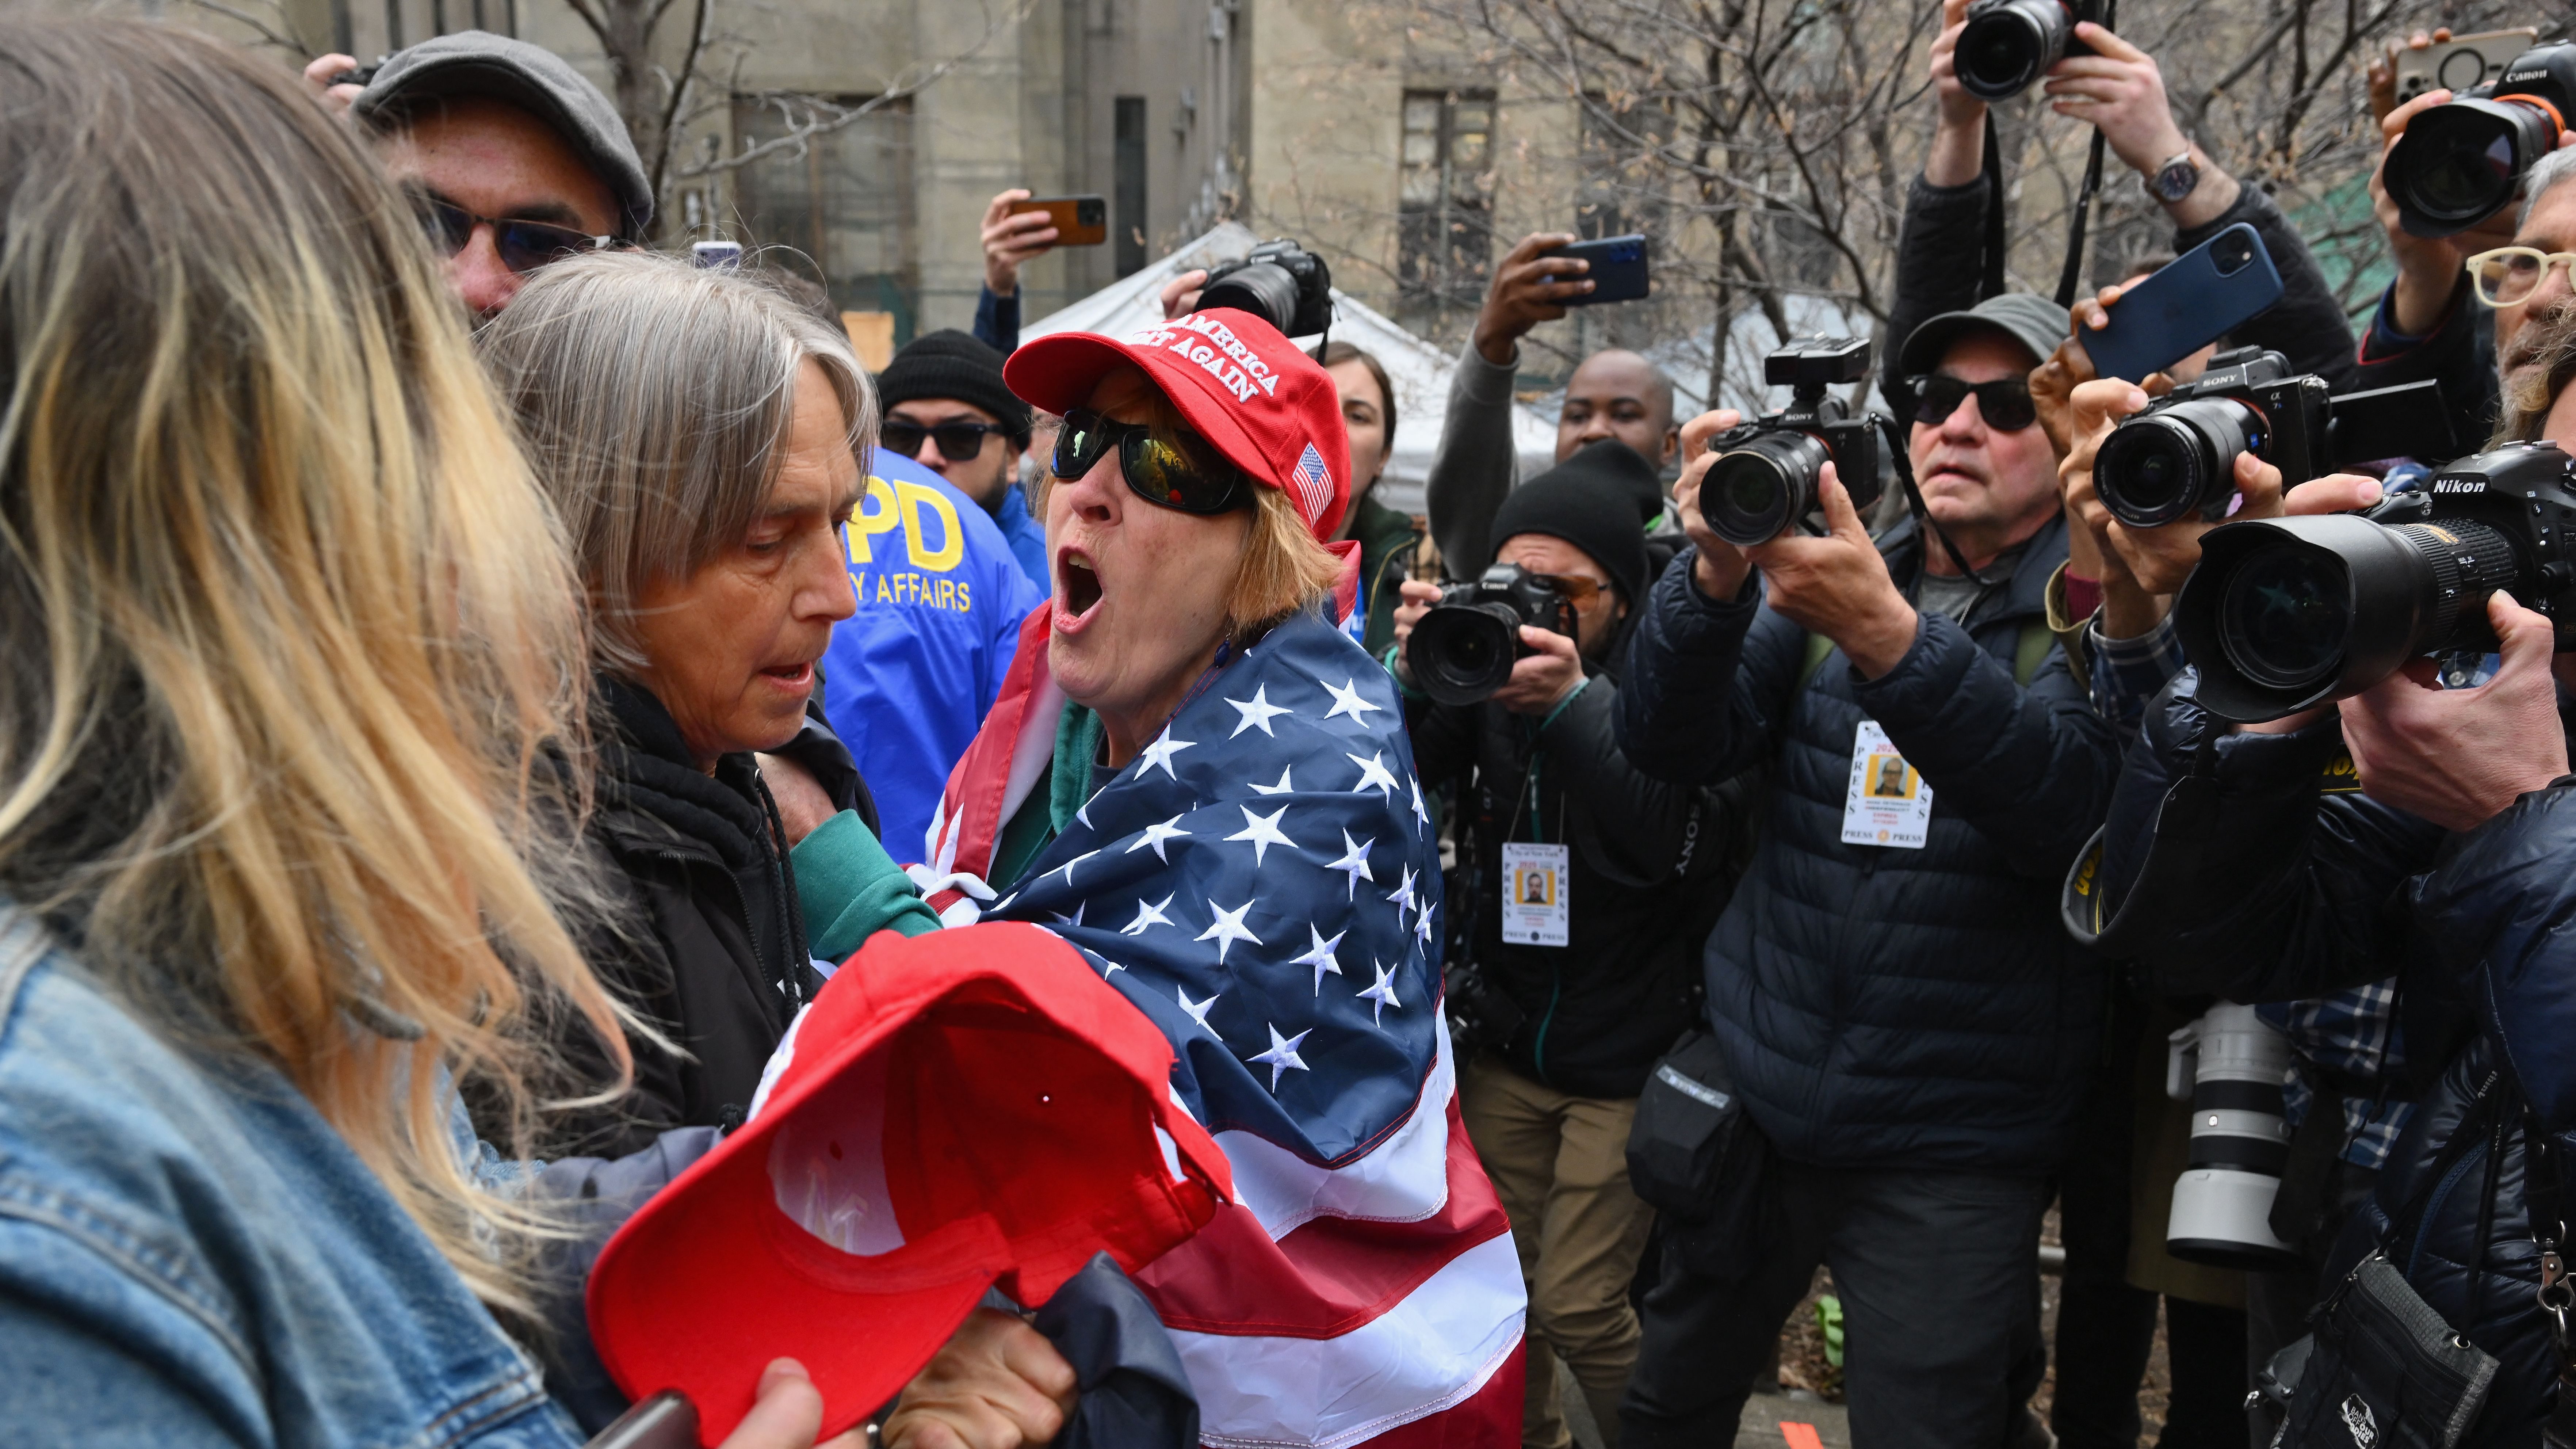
2175, 179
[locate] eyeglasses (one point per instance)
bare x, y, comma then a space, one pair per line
1573, 588
958, 441
2004, 403
1175, 472
524, 246
2507, 276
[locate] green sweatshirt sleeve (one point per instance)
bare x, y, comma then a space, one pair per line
850, 889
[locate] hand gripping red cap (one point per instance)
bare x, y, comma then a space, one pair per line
970, 1108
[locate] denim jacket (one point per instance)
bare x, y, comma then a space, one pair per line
190, 1255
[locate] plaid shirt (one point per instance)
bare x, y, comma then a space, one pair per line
2353, 1034
2127, 673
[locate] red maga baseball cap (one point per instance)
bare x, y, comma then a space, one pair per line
972, 1108
1271, 409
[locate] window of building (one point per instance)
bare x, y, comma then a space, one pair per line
842, 200
1445, 197
1127, 177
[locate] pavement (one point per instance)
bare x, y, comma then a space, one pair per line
1759, 1429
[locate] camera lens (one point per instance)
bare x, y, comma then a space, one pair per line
2285, 616
1462, 653
2163, 465
1263, 289
2460, 163
2006, 46
1756, 490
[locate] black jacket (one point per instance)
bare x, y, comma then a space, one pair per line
2278, 880
1652, 864
705, 940
1879, 1006
2459, 353
1940, 264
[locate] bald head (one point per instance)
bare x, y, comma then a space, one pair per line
1618, 394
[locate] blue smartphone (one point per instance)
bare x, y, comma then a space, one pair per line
1618, 272
2208, 292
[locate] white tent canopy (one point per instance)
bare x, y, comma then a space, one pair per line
1419, 371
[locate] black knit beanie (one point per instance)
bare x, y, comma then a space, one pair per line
1599, 500
954, 364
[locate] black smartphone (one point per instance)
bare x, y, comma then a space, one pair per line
1618, 271
665, 1421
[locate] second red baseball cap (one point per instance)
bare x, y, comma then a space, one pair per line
1271, 409
971, 1108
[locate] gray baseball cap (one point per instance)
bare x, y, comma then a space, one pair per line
2033, 321
479, 63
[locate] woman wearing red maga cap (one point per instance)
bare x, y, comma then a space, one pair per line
1197, 776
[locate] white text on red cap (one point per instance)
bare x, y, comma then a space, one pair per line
1250, 372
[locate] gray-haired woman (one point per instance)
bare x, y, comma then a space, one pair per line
700, 433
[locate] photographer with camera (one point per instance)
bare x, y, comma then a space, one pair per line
2379, 867
1897, 1007
1591, 886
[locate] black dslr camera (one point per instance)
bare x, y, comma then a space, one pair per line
2285, 613
2179, 456
2009, 44
1768, 470
1464, 648
2462, 161
1280, 282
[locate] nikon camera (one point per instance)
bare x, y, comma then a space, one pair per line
1767, 473
2286, 613
1280, 282
2009, 44
2462, 161
2179, 456
1464, 648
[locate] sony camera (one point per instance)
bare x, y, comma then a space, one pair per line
2009, 44
2285, 613
1464, 648
2228, 1064
1768, 470
2179, 456
2464, 160
1280, 282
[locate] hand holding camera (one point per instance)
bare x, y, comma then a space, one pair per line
2457, 757
2118, 89
1507, 638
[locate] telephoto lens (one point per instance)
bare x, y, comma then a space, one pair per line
2008, 45
2230, 1066
2161, 466
1757, 489
2463, 161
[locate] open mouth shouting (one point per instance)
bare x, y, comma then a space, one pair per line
1077, 590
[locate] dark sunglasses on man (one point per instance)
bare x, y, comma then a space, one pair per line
1178, 473
523, 246
958, 441
2004, 403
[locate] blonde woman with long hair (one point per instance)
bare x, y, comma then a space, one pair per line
291, 658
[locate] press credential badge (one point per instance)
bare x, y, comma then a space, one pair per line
1535, 907
1888, 803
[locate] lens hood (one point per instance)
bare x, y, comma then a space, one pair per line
2286, 613
2461, 162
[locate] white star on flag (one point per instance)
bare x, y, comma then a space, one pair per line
1228, 929
1320, 956
1154, 836
1263, 831
1354, 863
1282, 1056
1257, 712
1066, 870
1346, 700
1282, 788
1148, 913
1373, 774
1198, 1010
1422, 926
1158, 755
1383, 993
1402, 895
1072, 920
1418, 812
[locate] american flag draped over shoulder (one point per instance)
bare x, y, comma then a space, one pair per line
1262, 883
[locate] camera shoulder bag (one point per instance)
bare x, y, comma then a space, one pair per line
1696, 1156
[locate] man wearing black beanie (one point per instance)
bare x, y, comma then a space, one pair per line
1589, 890
947, 409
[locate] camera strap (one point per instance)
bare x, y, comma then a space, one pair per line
1991, 283
2071, 277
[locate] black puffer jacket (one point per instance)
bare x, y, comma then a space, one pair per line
2275, 879
1652, 864
1879, 1006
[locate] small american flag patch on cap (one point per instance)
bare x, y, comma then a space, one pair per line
1314, 484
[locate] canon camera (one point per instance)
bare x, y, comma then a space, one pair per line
2286, 613
1768, 471
1280, 282
2462, 161
2009, 44
1464, 648
2179, 456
